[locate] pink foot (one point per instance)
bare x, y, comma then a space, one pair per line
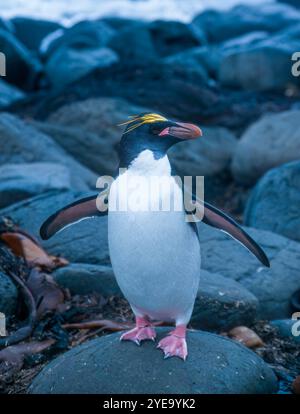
141, 332
175, 344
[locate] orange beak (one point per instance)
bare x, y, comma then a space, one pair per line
182, 130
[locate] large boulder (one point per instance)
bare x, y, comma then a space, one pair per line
9, 94
171, 37
84, 242
215, 365
271, 141
87, 34
21, 181
8, 295
21, 143
272, 286
222, 304
203, 59
30, 32
206, 156
219, 25
67, 65
134, 44
89, 130
287, 328
72, 53
261, 66
23, 69
83, 278
277, 192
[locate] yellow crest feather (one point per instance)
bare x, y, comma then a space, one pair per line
137, 120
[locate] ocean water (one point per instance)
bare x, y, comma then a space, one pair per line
68, 11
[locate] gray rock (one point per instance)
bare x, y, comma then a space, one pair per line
8, 295
206, 156
277, 191
86, 34
190, 59
272, 286
215, 365
271, 141
82, 279
31, 32
285, 328
271, 17
9, 94
239, 68
84, 242
21, 181
67, 65
170, 37
22, 67
139, 38
204, 60
21, 143
222, 304
89, 130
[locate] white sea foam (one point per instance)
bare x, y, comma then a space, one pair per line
69, 12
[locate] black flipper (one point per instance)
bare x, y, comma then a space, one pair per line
72, 213
216, 218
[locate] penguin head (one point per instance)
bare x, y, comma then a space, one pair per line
154, 132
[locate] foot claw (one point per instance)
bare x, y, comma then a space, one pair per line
173, 345
139, 334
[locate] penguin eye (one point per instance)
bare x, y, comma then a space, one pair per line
157, 128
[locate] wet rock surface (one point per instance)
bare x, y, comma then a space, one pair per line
269, 142
272, 286
214, 365
222, 303
277, 191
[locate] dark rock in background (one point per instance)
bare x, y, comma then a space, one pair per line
30, 32
285, 328
83, 279
271, 141
20, 143
274, 202
170, 37
21, 181
8, 295
6, 25
222, 304
215, 365
23, 69
9, 94
89, 131
203, 60
65, 66
85, 242
82, 35
219, 25
207, 156
271, 60
134, 45
272, 286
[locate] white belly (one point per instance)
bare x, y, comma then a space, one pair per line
156, 259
